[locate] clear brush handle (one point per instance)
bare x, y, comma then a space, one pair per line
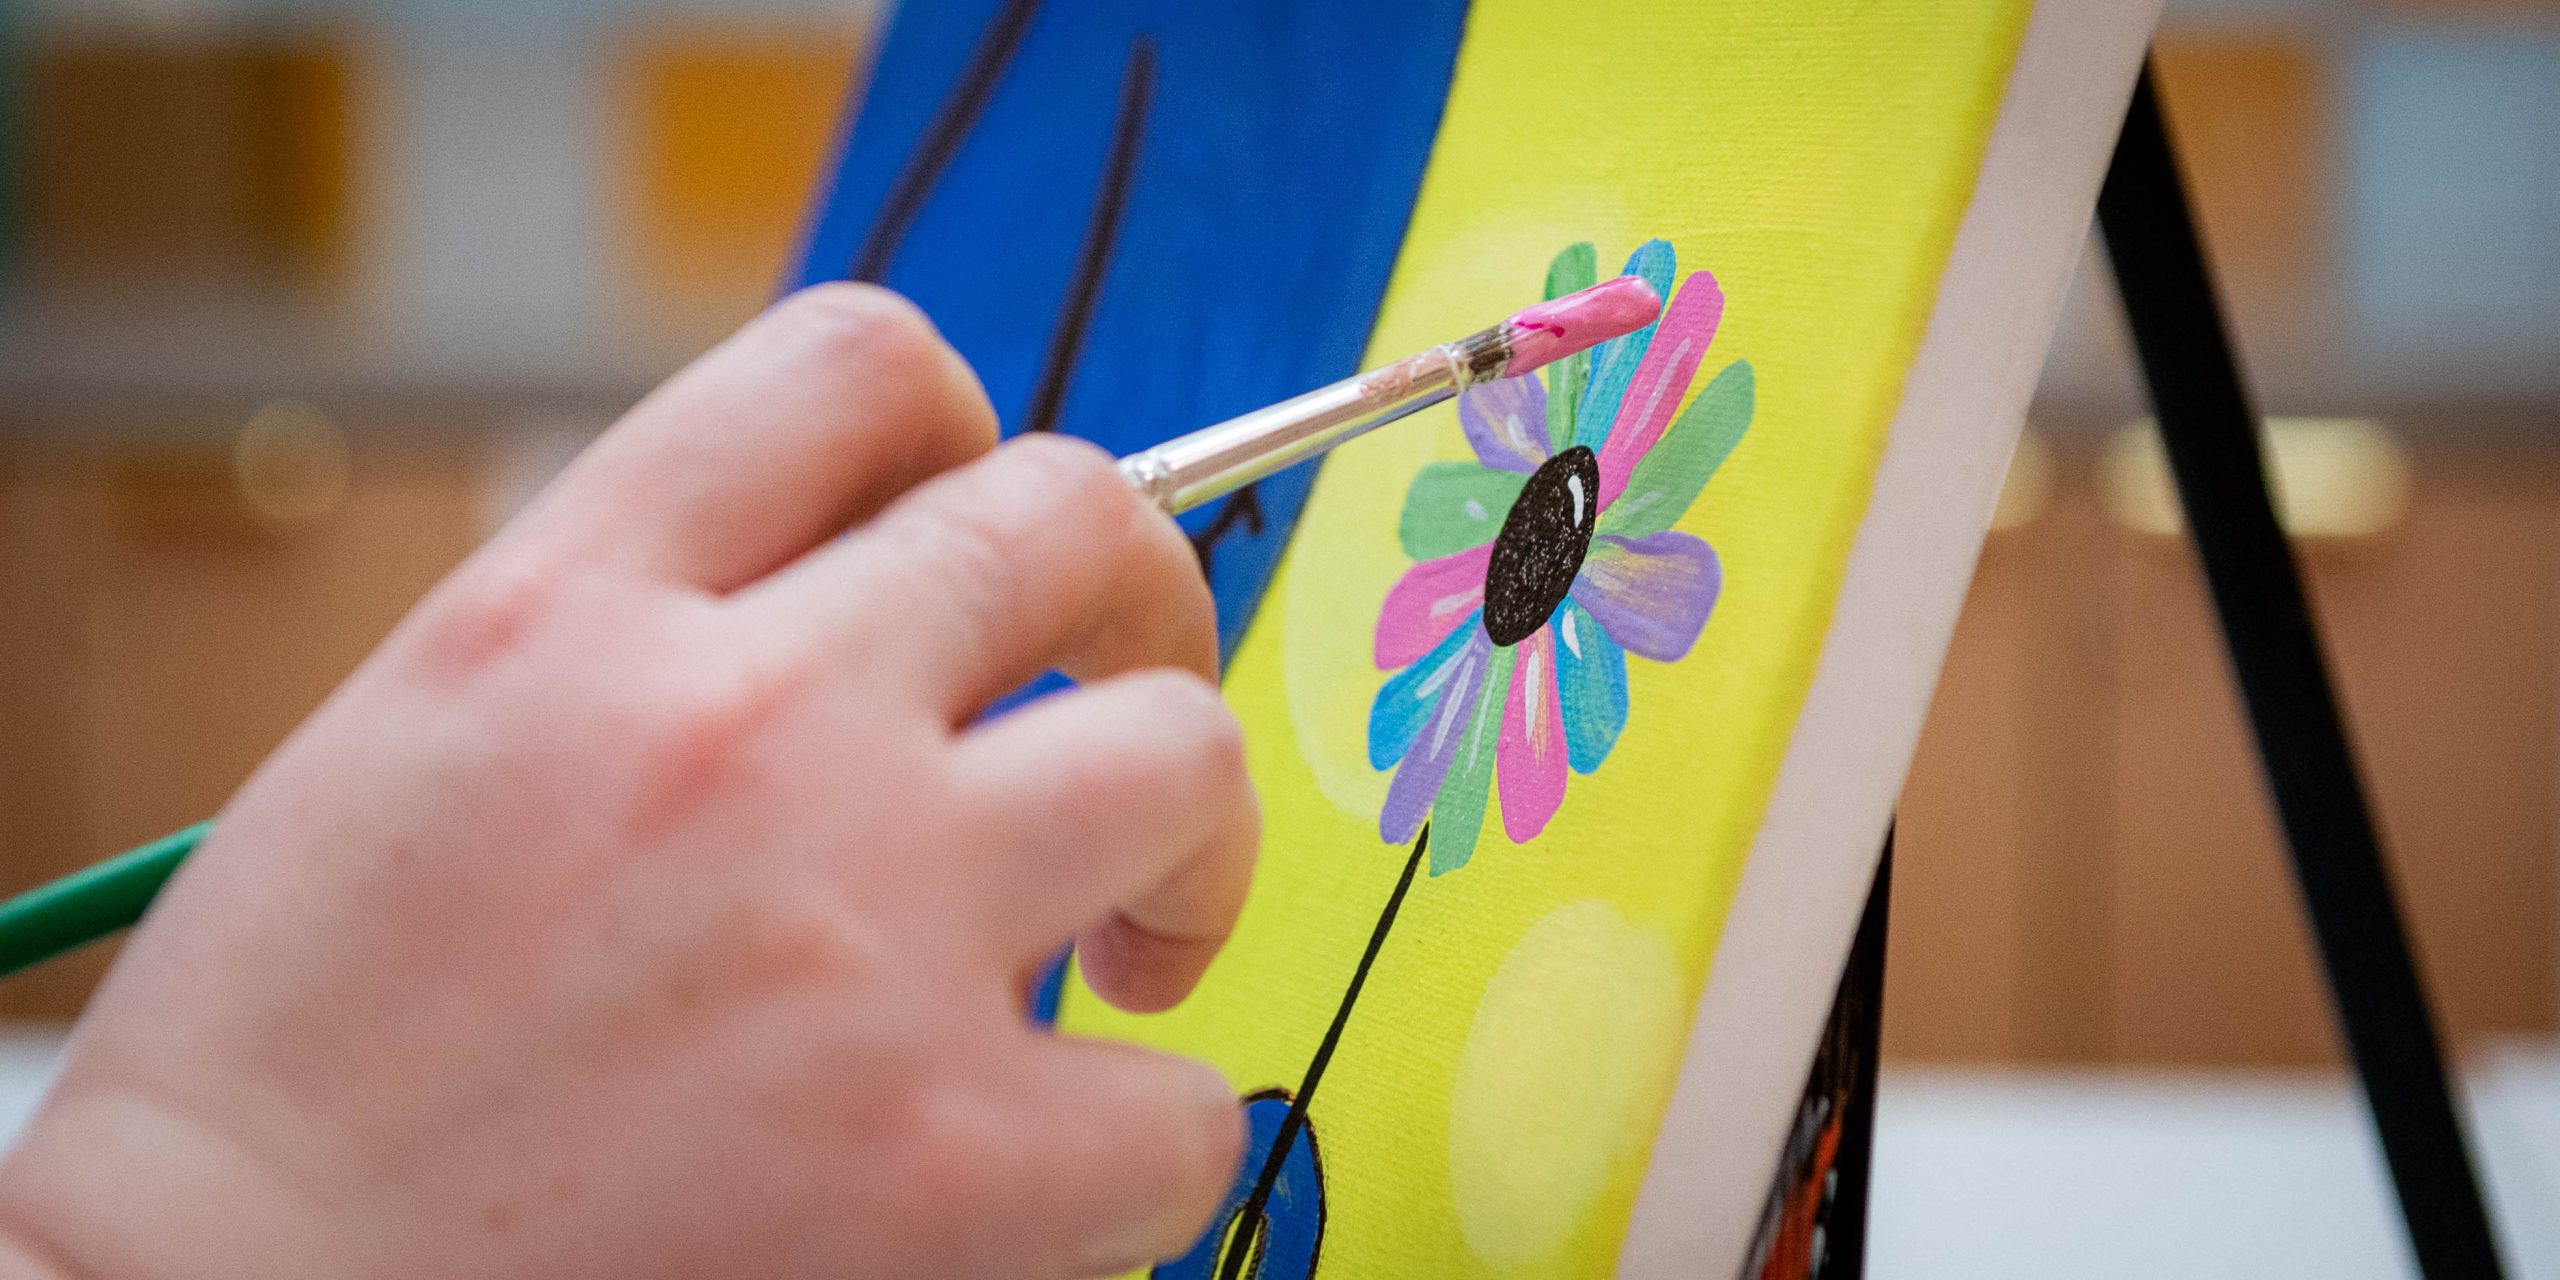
1214, 461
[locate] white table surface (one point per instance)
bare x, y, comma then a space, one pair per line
1991, 1174
1988, 1174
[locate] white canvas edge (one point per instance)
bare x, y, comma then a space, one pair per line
1964, 399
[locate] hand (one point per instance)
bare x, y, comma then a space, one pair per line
652, 904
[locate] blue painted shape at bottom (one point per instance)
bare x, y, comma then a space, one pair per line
1051, 988
1292, 1219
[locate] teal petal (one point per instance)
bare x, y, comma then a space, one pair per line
1454, 507
1613, 363
1575, 269
1698, 441
1591, 677
1457, 817
1405, 704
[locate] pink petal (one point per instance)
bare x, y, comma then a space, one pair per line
1531, 756
1506, 421
1680, 340
1426, 602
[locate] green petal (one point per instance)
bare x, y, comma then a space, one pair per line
1457, 817
1574, 270
1455, 506
1669, 477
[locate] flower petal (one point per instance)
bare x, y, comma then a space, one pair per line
1532, 752
1652, 594
1417, 785
1455, 506
1680, 340
1575, 269
1591, 680
1404, 704
1430, 598
1667, 480
1506, 421
1457, 816
1613, 363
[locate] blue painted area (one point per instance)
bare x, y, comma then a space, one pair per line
2453, 201
1293, 1218
1051, 987
1273, 181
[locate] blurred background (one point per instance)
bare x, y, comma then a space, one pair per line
300, 298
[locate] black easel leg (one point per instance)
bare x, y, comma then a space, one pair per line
2212, 439
1861, 1011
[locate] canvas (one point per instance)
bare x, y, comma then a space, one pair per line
1577, 706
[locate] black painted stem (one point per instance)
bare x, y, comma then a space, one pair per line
1249, 1218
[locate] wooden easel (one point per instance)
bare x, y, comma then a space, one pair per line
2211, 435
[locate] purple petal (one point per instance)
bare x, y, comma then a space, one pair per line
1506, 421
1651, 594
1426, 762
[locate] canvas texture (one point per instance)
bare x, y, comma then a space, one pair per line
1520, 690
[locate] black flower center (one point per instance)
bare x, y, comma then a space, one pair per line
1541, 545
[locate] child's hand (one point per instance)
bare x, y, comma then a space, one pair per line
649, 904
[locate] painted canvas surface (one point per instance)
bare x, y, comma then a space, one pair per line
1521, 690
1577, 706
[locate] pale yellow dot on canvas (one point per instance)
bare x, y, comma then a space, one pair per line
1565, 1067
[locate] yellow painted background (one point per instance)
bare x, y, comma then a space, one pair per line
1491, 1104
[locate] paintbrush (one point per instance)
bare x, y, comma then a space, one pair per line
1183, 473
1178, 475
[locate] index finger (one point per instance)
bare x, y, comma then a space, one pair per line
812, 417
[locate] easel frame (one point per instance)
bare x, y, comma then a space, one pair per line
2210, 432
2209, 427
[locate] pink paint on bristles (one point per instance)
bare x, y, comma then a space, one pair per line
1550, 331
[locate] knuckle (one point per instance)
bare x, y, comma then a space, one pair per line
971, 566
719, 705
1216, 1148
1034, 494
1200, 1141
481, 616
700, 706
697, 725
1084, 497
1085, 794
1076, 475
1191, 708
850, 325
863, 321
784, 941
957, 1159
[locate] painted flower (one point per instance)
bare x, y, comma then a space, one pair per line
1543, 563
